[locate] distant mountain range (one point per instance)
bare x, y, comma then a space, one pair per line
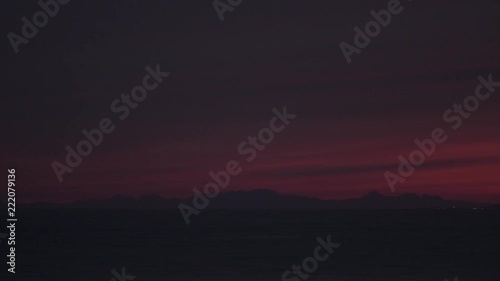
266, 199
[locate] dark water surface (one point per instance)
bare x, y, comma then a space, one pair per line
257, 245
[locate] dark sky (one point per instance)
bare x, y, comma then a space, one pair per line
226, 77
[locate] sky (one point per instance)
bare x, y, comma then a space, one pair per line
353, 119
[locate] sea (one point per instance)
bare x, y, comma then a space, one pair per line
260, 245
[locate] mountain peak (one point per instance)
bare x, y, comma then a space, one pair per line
373, 194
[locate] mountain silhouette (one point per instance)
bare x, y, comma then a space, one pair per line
267, 199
